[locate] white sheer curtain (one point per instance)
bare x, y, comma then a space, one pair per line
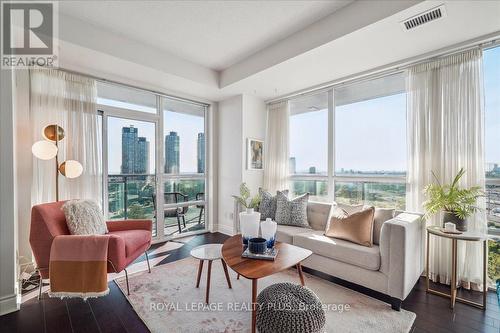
68, 100
446, 133
276, 147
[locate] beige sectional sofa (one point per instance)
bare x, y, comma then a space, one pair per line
391, 267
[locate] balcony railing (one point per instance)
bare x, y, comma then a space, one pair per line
132, 196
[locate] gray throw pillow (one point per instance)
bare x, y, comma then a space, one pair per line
292, 212
267, 207
381, 215
84, 217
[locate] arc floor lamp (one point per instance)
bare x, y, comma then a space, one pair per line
48, 149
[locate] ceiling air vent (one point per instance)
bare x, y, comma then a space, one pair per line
425, 17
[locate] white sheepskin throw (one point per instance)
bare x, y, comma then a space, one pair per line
84, 217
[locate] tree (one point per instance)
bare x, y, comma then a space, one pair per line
136, 211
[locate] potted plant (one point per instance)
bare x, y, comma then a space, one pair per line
244, 196
457, 203
249, 219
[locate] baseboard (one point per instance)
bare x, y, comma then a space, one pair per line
8, 304
223, 229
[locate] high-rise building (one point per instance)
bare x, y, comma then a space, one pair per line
135, 152
312, 169
129, 138
172, 153
142, 155
201, 152
292, 165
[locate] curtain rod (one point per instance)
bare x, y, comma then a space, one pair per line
484, 42
126, 85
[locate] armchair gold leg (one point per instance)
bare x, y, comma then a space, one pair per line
147, 259
126, 279
40, 285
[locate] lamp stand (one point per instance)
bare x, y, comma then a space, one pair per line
57, 163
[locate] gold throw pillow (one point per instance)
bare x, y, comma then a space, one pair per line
356, 228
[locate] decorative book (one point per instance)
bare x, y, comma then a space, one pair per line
270, 254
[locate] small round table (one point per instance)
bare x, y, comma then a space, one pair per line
209, 252
464, 236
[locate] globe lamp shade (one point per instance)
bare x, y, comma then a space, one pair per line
50, 131
71, 169
44, 150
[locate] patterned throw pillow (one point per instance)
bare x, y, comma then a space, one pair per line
84, 217
292, 212
267, 207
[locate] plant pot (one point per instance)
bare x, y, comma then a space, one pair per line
461, 224
250, 210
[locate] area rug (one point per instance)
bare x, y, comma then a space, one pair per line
167, 301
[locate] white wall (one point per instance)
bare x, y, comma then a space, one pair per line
239, 118
8, 216
254, 126
229, 132
24, 161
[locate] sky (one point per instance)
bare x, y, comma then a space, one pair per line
491, 66
186, 126
369, 135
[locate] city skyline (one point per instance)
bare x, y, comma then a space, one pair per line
135, 152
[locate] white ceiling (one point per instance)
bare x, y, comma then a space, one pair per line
214, 34
262, 48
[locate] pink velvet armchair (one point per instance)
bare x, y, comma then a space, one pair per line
129, 239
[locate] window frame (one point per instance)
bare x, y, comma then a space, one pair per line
157, 119
331, 178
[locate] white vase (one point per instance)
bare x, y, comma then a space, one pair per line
249, 225
268, 231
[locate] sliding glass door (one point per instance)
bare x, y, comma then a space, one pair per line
131, 169
184, 182
154, 160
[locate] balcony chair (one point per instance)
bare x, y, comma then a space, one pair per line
129, 239
200, 196
177, 212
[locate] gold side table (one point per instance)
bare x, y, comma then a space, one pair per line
464, 236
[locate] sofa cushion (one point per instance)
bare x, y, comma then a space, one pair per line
338, 249
357, 227
292, 212
267, 206
285, 233
318, 214
134, 239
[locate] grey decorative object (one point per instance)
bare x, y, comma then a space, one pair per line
287, 307
267, 207
292, 212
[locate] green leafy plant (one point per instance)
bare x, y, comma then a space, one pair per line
245, 199
451, 198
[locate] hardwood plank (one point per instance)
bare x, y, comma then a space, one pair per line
81, 316
104, 313
56, 315
113, 313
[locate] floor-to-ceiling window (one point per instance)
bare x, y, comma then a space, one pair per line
348, 144
491, 62
309, 146
370, 142
154, 158
184, 166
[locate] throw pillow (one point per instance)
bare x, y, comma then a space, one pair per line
84, 217
292, 212
345, 209
381, 215
267, 206
356, 228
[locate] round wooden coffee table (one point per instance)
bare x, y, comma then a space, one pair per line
254, 269
209, 252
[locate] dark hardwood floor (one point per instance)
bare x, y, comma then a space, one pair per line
113, 313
